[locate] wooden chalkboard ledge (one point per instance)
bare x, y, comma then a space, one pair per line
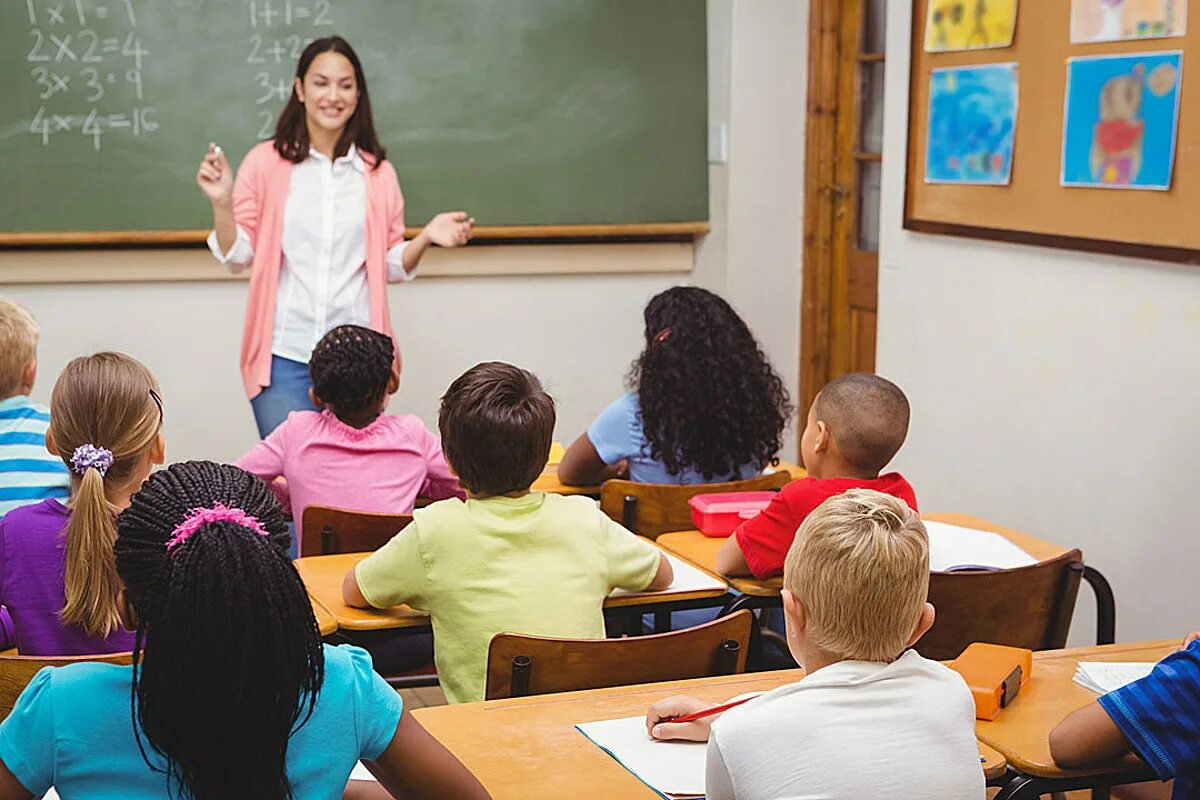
650, 231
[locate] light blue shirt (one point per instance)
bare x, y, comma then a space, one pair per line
71, 728
617, 433
28, 472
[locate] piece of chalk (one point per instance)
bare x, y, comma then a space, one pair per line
216, 149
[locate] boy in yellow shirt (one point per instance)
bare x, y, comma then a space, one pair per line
507, 559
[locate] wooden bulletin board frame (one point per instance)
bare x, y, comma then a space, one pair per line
1034, 208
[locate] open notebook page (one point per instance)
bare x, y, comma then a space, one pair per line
687, 579
955, 547
1103, 677
673, 769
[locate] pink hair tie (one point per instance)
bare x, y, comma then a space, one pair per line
198, 517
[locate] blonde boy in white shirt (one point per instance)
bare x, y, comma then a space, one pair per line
870, 716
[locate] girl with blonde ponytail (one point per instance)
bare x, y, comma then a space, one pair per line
57, 571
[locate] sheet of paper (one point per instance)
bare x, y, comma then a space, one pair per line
1103, 677
674, 769
687, 579
361, 773
952, 546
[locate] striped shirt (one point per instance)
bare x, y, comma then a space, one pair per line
1160, 715
28, 472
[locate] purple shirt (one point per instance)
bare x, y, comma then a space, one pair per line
383, 467
33, 550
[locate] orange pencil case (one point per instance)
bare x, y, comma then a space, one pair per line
994, 673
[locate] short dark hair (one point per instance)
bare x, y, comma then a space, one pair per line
868, 417
350, 368
496, 422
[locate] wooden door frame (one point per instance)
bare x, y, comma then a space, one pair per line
826, 233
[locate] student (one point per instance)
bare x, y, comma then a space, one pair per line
1156, 717
27, 472
704, 405
855, 426
869, 715
506, 559
351, 454
234, 695
57, 575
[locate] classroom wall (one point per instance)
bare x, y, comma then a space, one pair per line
1052, 391
579, 332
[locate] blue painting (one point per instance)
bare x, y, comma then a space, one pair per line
1121, 120
972, 123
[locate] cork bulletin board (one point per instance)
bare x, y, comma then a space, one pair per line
1033, 207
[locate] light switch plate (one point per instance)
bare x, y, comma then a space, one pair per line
718, 142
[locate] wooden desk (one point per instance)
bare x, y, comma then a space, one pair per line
548, 481
528, 747
323, 575
1021, 734
326, 624
701, 550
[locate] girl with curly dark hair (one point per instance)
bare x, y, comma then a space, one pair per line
704, 404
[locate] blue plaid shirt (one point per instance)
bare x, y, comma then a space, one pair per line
1160, 715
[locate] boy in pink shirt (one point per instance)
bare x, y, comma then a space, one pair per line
350, 454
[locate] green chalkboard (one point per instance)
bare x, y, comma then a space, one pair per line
523, 112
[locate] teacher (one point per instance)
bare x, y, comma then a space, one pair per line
317, 214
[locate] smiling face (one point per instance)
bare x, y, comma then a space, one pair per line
329, 92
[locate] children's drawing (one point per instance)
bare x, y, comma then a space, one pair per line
1118, 20
969, 24
972, 122
1121, 119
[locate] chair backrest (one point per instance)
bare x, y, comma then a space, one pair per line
1023, 607
520, 665
650, 509
325, 530
17, 671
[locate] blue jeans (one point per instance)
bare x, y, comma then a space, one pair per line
288, 392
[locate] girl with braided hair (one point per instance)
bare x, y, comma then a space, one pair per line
350, 454
704, 404
231, 694
57, 575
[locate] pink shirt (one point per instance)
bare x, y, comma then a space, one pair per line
383, 467
260, 195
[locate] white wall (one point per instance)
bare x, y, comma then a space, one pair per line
1052, 391
579, 332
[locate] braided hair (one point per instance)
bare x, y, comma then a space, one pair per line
350, 369
709, 399
227, 660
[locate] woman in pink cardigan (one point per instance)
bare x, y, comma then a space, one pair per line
317, 215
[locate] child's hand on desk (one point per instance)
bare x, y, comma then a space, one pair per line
1191, 637
659, 725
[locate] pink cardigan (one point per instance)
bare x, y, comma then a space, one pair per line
259, 199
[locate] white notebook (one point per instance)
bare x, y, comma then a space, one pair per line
1103, 677
687, 579
673, 769
954, 547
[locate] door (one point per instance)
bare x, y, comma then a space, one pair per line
842, 188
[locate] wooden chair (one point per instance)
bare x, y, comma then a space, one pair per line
650, 509
1023, 607
325, 530
523, 665
17, 671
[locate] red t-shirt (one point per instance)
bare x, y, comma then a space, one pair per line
765, 539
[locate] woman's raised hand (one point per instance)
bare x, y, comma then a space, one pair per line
450, 229
214, 177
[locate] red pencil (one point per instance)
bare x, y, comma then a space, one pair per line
708, 712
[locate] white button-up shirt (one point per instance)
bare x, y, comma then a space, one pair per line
323, 276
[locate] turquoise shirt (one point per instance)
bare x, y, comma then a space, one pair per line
71, 728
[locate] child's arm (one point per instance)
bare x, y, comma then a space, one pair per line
600, 453
393, 574
664, 577
581, 465
731, 560
440, 481
1087, 736
351, 594
659, 725
266, 459
10, 787
415, 765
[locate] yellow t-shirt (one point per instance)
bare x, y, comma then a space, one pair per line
540, 564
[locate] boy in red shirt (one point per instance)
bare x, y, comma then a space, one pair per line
855, 426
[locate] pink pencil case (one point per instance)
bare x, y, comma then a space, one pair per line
717, 514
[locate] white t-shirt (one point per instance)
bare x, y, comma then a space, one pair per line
854, 729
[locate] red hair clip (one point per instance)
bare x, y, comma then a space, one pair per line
662, 336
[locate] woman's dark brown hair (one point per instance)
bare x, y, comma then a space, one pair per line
291, 132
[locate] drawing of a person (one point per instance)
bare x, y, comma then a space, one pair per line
1117, 139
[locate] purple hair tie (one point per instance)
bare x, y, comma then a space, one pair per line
88, 456
198, 517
